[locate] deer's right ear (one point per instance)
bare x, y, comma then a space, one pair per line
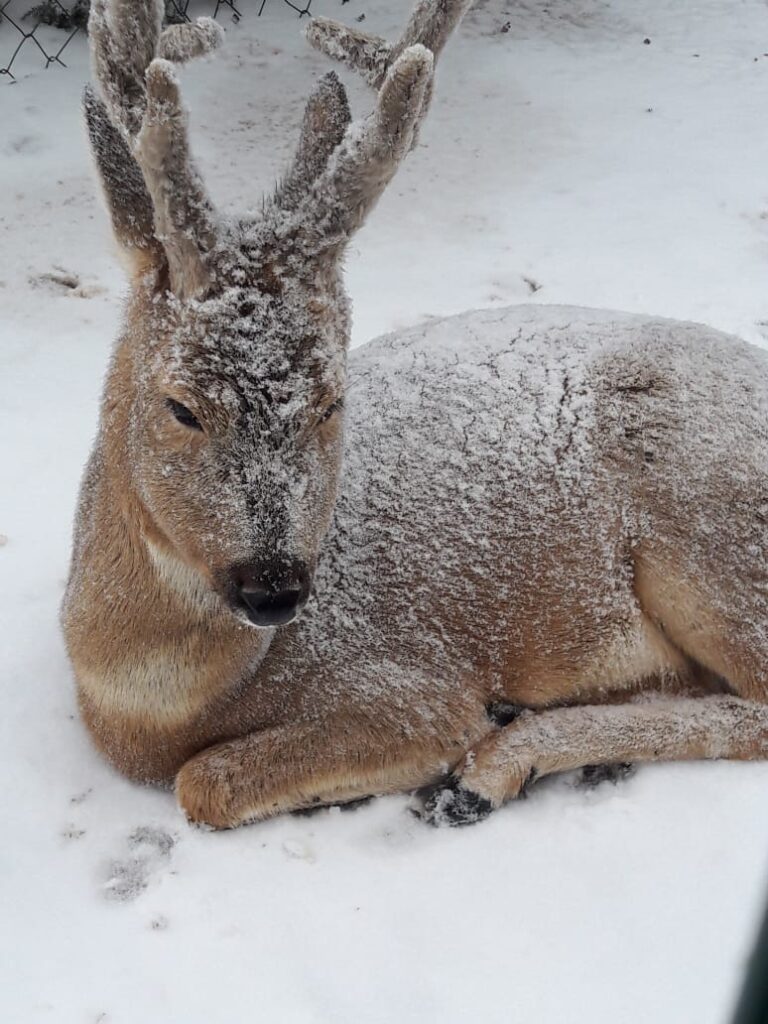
125, 193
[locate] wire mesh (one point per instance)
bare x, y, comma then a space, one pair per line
38, 32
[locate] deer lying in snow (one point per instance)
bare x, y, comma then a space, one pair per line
547, 510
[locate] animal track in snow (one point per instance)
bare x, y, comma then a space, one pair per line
25, 144
62, 282
71, 832
149, 850
299, 849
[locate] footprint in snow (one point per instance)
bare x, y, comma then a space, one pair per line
60, 281
25, 145
149, 852
299, 849
72, 832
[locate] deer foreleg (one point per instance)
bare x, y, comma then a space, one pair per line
541, 743
293, 767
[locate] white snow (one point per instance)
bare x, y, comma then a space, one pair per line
566, 151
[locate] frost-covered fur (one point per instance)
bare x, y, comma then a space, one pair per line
543, 507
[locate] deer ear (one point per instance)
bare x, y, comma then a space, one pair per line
326, 119
126, 196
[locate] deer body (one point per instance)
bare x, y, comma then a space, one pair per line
523, 490
542, 512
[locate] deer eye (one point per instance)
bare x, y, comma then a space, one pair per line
335, 407
183, 415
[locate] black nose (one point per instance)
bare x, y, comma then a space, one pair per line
269, 595
264, 607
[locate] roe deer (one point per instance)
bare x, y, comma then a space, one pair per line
548, 546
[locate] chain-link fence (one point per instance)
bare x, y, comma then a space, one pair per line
39, 33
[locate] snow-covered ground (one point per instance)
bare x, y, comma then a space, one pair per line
598, 153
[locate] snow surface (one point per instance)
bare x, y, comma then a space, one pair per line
564, 155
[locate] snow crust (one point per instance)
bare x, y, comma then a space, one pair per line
563, 161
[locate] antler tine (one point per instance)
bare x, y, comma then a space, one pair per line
184, 42
132, 64
430, 25
184, 219
360, 168
370, 55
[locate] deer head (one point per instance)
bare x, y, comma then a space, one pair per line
223, 409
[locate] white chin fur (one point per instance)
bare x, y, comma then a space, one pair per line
187, 583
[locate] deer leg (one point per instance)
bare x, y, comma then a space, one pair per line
300, 766
541, 743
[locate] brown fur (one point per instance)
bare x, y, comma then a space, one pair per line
175, 687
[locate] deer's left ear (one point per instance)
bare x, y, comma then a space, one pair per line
126, 196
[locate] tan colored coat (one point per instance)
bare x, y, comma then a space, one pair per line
547, 547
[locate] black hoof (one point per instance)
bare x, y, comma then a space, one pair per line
502, 712
594, 774
452, 804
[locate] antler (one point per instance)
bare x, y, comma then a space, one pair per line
430, 25
336, 201
132, 65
